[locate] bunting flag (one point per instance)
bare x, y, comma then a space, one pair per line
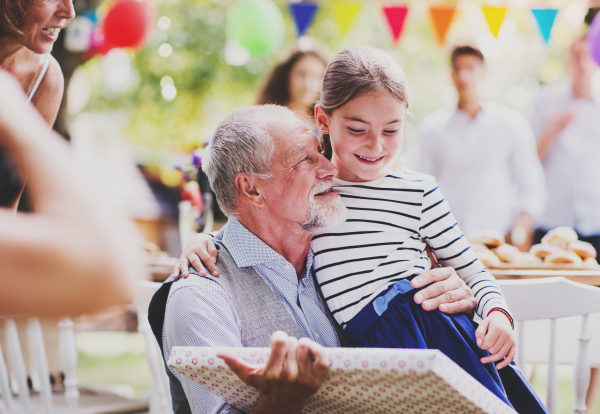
545, 20
494, 17
441, 17
303, 14
344, 13
395, 17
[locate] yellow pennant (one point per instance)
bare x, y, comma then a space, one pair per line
495, 17
344, 14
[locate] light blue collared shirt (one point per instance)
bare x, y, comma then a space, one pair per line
199, 313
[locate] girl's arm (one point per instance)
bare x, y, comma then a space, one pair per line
449, 245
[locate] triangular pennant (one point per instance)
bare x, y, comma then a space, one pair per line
344, 13
545, 19
303, 14
395, 17
441, 17
495, 17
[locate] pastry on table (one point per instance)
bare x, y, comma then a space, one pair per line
488, 238
543, 250
564, 257
527, 258
582, 249
488, 258
590, 263
478, 247
507, 253
560, 236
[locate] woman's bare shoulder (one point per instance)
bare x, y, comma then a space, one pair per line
49, 95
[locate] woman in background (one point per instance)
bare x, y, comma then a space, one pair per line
296, 83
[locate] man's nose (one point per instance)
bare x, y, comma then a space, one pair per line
67, 11
326, 169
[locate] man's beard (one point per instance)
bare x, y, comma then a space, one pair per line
323, 214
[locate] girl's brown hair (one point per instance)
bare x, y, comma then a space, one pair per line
277, 88
357, 71
13, 16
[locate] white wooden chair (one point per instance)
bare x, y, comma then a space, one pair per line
68, 353
554, 298
160, 397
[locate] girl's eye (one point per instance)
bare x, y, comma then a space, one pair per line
391, 132
356, 131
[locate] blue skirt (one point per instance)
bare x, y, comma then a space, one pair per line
394, 320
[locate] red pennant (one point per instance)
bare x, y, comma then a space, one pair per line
395, 17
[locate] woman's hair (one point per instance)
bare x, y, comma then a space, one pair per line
355, 72
277, 88
13, 16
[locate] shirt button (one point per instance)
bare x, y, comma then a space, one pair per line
288, 267
317, 335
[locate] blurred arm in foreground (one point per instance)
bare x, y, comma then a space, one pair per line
72, 255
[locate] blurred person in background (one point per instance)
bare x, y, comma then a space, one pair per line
28, 30
73, 254
296, 83
484, 158
565, 121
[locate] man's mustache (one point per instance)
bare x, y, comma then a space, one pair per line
321, 187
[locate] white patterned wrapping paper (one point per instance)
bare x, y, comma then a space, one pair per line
361, 380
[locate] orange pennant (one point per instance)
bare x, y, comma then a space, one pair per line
441, 17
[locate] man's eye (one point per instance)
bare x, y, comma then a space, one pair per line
356, 131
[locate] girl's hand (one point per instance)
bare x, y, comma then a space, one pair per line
495, 334
199, 250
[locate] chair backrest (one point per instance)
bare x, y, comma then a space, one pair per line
553, 298
160, 399
549, 298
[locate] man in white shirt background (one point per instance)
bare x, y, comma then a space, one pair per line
483, 156
566, 122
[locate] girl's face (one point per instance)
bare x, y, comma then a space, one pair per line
305, 80
366, 135
45, 19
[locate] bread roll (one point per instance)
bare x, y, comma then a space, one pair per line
527, 258
507, 253
489, 238
488, 258
478, 247
560, 236
543, 250
582, 249
564, 257
590, 263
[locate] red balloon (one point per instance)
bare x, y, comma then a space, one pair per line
128, 22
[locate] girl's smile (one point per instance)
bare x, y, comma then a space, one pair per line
366, 135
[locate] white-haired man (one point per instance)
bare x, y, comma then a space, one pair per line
271, 180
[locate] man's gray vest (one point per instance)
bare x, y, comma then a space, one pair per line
259, 309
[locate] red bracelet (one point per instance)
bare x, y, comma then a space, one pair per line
505, 313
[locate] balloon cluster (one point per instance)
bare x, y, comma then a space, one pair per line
126, 24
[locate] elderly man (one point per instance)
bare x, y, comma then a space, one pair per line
272, 181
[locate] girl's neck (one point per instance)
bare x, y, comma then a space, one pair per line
9, 52
301, 109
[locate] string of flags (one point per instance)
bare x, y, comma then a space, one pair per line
441, 16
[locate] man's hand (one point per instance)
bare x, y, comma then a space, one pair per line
292, 374
198, 250
495, 334
449, 293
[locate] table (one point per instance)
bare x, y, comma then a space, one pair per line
587, 277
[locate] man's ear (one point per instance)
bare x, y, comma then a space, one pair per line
249, 189
322, 119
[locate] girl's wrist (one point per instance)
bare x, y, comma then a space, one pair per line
505, 313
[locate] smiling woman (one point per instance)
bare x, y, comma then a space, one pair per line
28, 30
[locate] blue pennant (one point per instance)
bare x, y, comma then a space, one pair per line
303, 14
545, 20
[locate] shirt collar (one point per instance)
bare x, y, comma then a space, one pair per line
247, 249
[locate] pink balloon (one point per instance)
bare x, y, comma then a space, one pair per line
593, 38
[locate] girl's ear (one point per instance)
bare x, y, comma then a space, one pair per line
322, 119
249, 189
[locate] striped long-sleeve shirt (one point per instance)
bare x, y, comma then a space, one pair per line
384, 239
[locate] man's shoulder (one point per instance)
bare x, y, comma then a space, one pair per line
436, 120
511, 120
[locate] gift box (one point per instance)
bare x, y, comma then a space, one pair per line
360, 380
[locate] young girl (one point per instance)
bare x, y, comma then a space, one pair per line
364, 266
